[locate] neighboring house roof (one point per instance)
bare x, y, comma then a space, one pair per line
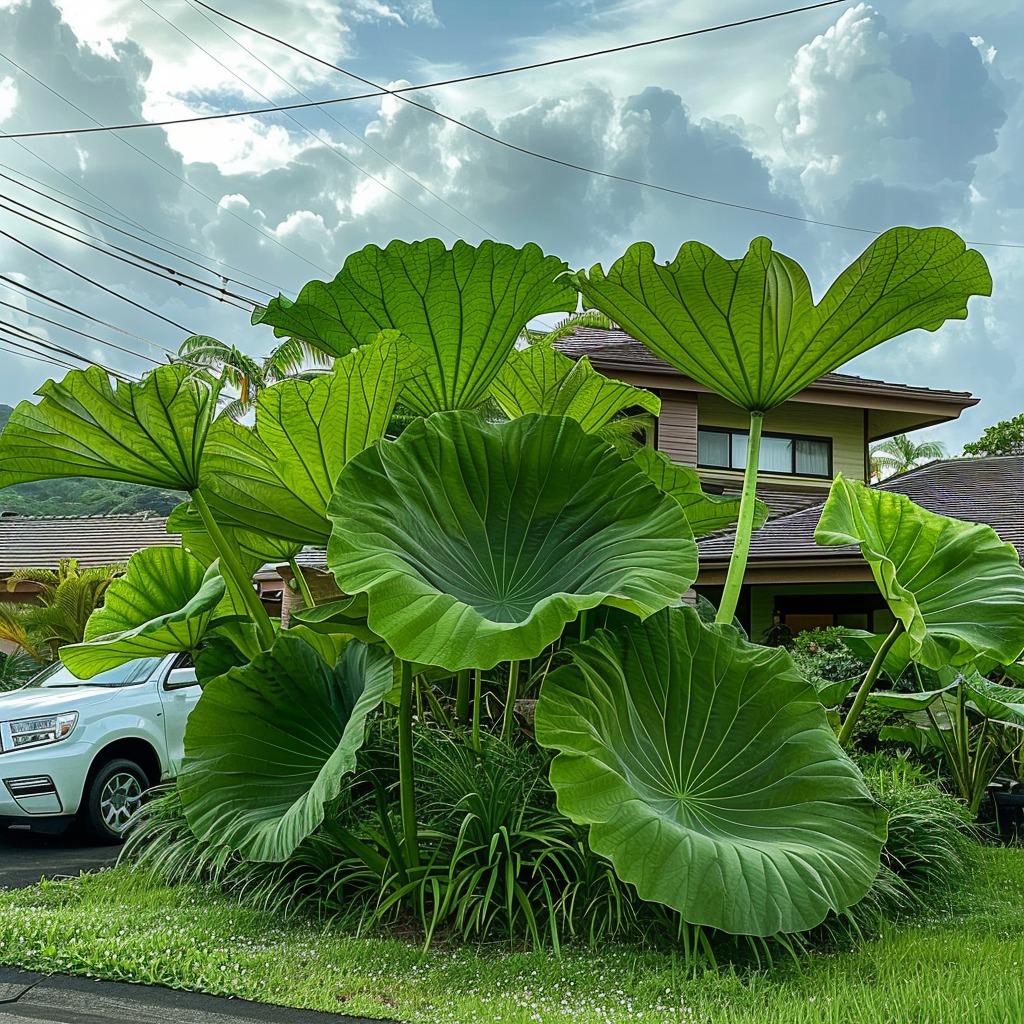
989, 490
40, 542
896, 408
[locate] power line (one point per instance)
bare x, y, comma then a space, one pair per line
11, 283
219, 266
568, 165
139, 262
380, 91
22, 335
122, 231
308, 131
82, 334
157, 163
358, 138
93, 282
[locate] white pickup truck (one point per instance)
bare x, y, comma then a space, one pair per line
90, 748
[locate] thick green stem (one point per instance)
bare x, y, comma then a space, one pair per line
462, 697
302, 584
477, 702
406, 775
509, 719
233, 564
869, 681
744, 525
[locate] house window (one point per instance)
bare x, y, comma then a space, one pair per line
780, 453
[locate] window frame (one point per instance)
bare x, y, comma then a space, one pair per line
732, 432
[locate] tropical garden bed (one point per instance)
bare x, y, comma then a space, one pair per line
960, 964
494, 530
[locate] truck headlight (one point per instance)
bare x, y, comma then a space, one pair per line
34, 732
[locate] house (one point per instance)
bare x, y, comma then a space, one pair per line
814, 585
825, 429
40, 542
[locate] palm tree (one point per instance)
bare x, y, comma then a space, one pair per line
246, 375
65, 600
899, 454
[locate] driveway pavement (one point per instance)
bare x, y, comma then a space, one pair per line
26, 857
28, 998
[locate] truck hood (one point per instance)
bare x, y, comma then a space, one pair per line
52, 701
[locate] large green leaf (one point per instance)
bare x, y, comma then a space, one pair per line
148, 433
704, 512
477, 542
749, 329
277, 477
163, 604
269, 744
709, 776
254, 550
463, 308
539, 379
956, 587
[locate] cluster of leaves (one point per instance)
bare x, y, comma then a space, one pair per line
702, 767
1003, 438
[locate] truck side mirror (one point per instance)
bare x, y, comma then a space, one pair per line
179, 678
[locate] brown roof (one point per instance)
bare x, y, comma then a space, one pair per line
616, 350
989, 491
40, 542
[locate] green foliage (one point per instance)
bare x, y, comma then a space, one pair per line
462, 308
270, 744
823, 655
476, 543
16, 668
665, 751
148, 433
80, 496
278, 477
930, 840
163, 604
955, 586
59, 611
749, 329
1003, 438
973, 725
899, 454
704, 512
541, 380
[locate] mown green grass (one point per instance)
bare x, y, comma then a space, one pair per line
963, 967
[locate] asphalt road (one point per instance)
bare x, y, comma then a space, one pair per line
26, 857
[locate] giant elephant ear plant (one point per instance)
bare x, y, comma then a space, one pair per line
703, 766
749, 329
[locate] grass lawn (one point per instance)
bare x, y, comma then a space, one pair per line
963, 967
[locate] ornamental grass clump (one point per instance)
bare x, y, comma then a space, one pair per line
478, 550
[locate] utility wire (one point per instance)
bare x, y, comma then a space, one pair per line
93, 282
157, 163
129, 234
380, 91
82, 334
218, 269
41, 343
309, 131
28, 353
11, 283
164, 273
355, 135
569, 165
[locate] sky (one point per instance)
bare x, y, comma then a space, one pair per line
857, 114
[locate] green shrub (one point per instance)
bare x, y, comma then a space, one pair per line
820, 654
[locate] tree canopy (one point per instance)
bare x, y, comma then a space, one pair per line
1003, 438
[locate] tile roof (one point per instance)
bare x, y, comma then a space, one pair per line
615, 348
40, 542
989, 490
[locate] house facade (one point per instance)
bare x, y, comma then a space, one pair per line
826, 429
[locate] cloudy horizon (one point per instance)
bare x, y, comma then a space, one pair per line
862, 115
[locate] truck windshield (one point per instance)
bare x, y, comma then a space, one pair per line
124, 675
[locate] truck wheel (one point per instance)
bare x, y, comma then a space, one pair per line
112, 796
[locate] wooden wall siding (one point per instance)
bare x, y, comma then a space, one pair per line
844, 425
677, 427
